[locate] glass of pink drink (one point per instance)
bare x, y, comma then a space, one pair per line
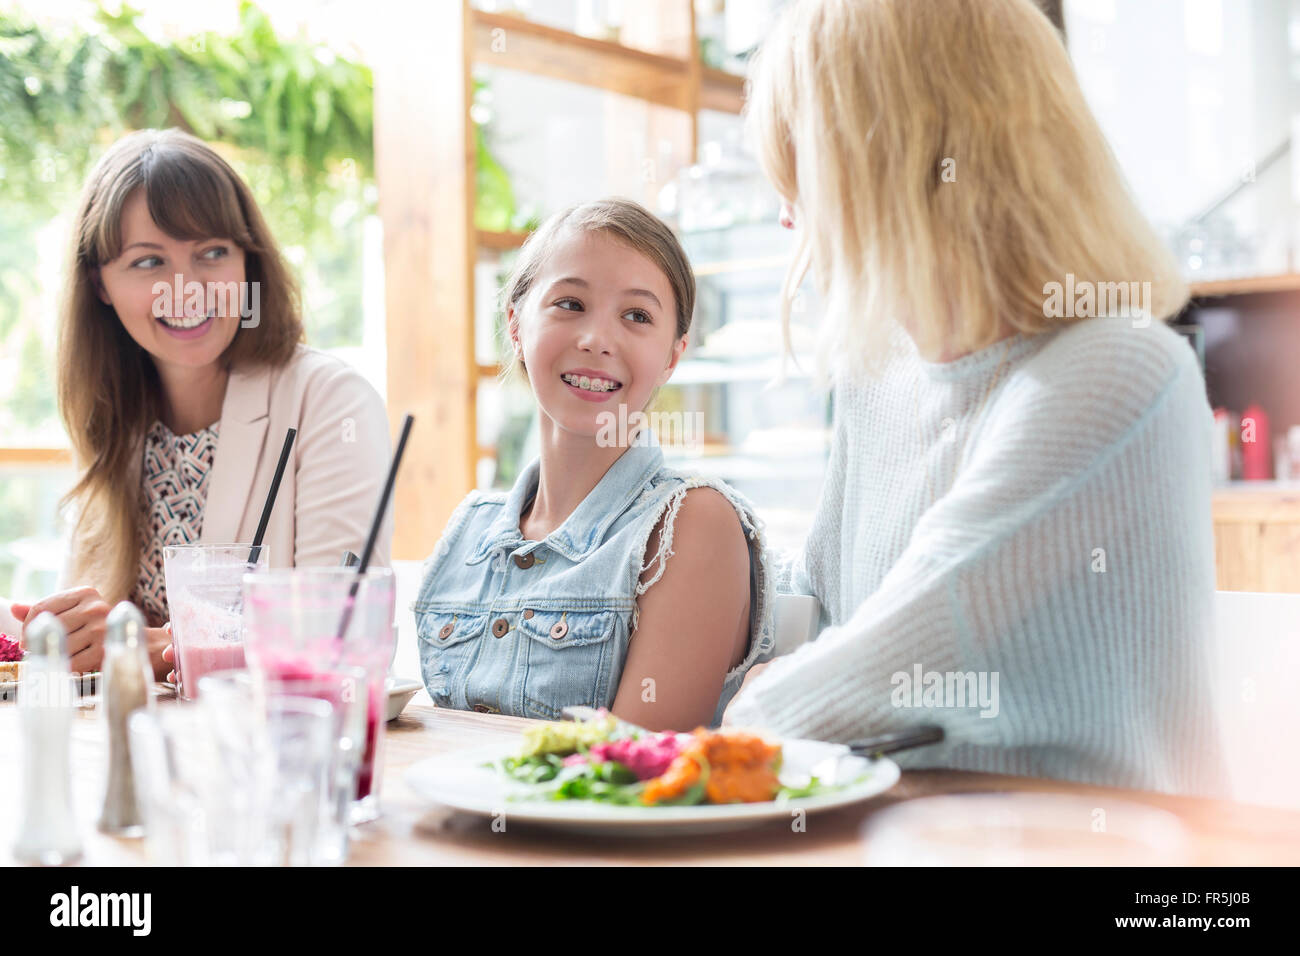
295, 627
205, 599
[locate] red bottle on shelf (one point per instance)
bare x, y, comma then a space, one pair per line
1256, 445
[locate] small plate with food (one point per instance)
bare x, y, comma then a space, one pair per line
605, 776
12, 667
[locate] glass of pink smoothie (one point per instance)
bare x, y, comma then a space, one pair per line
205, 599
295, 628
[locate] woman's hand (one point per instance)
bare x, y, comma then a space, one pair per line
83, 612
169, 653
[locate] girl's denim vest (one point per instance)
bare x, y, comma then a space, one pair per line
529, 627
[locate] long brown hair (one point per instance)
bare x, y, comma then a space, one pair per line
109, 389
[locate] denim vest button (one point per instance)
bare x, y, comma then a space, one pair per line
524, 561
559, 630
528, 614
499, 627
445, 631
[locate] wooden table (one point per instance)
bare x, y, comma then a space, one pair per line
412, 833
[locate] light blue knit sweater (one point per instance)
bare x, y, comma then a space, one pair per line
1034, 519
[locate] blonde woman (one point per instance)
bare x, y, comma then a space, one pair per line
177, 410
1014, 540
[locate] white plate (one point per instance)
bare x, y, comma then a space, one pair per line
461, 781
400, 691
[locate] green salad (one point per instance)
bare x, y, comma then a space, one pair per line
613, 762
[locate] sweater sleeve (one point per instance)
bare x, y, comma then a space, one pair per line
1065, 580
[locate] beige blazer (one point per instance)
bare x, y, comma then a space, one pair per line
334, 477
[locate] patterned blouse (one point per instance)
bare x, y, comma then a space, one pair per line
175, 489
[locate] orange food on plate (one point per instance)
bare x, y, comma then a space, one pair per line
682, 774
741, 768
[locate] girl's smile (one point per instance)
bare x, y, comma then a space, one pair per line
591, 385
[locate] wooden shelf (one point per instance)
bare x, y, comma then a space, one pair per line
488, 371
1246, 286
500, 241
728, 266
721, 91
703, 370
1268, 502
514, 43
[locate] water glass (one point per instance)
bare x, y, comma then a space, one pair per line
226, 784
344, 691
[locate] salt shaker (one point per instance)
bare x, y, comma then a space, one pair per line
49, 830
126, 680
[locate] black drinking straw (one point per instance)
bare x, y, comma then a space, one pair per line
256, 550
407, 422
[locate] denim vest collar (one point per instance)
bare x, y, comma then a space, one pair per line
583, 530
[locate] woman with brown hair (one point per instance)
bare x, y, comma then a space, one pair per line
181, 365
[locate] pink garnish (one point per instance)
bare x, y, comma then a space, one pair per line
646, 757
9, 649
288, 669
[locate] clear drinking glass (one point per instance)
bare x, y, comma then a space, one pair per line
225, 783
344, 690
205, 600
303, 623
198, 811
301, 734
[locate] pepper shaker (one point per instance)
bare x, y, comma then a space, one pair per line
49, 830
127, 676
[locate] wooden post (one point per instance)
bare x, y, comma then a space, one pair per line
424, 157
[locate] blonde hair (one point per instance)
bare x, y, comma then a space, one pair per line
626, 221
109, 390
863, 111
